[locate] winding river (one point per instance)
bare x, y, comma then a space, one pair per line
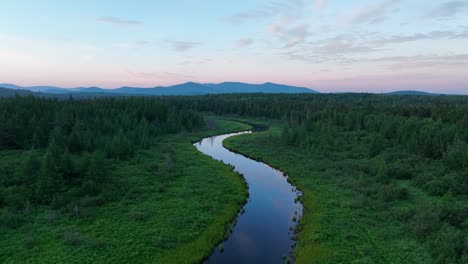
264, 230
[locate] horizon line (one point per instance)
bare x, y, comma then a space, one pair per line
217, 83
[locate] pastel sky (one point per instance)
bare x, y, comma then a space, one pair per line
327, 45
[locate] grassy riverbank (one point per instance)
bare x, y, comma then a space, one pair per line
170, 204
350, 216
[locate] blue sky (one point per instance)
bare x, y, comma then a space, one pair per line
328, 45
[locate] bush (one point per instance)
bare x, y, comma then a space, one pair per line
458, 182
425, 219
437, 186
92, 201
14, 197
72, 238
400, 171
29, 241
422, 178
457, 155
381, 169
51, 216
391, 192
447, 244
11, 219
453, 211
139, 215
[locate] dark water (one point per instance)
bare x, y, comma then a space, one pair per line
263, 233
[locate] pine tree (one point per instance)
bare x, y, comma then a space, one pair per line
31, 167
49, 181
381, 169
97, 169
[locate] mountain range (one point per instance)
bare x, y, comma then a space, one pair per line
189, 88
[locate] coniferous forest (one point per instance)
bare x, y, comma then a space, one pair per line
384, 177
68, 143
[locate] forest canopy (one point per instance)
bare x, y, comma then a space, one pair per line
70, 142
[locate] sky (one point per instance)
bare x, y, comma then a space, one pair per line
327, 45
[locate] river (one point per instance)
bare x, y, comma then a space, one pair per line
264, 230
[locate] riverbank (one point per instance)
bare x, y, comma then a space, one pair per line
337, 225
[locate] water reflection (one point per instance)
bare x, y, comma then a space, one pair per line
263, 232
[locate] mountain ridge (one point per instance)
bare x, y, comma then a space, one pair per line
411, 92
188, 88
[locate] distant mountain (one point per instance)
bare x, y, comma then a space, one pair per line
5, 92
237, 87
31, 88
189, 88
410, 92
89, 90
58, 94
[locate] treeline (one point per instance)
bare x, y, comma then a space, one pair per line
68, 145
391, 140
296, 107
115, 126
427, 125
433, 126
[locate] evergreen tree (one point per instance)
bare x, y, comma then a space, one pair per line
381, 169
50, 180
30, 168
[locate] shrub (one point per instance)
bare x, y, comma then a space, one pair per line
11, 219
400, 171
381, 169
139, 216
14, 197
447, 244
391, 192
422, 178
72, 238
453, 211
29, 241
457, 155
425, 219
437, 186
51, 216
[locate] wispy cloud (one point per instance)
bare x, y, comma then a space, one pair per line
119, 21
374, 13
181, 46
463, 34
448, 9
337, 49
399, 63
275, 8
433, 35
347, 48
290, 35
244, 42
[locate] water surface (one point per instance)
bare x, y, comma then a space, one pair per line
264, 231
